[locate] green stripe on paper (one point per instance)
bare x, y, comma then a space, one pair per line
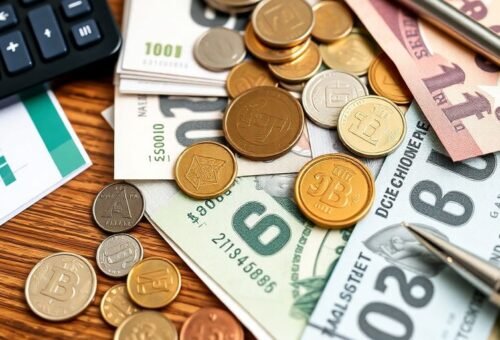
6, 173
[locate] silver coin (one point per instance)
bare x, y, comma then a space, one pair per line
118, 207
219, 49
327, 93
117, 254
222, 6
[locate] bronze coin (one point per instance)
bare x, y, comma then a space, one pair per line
209, 321
246, 76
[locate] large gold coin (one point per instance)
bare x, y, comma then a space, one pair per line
248, 75
283, 23
263, 123
371, 126
352, 54
146, 325
154, 282
335, 191
205, 170
116, 305
386, 81
300, 69
333, 21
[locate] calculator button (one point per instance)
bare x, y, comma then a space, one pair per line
29, 2
7, 16
14, 52
74, 8
86, 33
47, 32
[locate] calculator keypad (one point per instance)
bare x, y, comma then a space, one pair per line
8, 17
75, 8
47, 32
14, 52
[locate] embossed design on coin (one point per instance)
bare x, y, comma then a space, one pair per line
60, 286
386, 81
118, 207
146, 325
248, 75
219, 49
117, 254
300, 69
333, 21
116, 305
209, 321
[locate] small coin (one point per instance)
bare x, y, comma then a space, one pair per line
333, 21
246, 76
352, 54
116, 305
293, 87
371, 126
219, 49
229, 7
327, 93
153, 283
117, 254
263, 123
146, 325
283, 23
205, 170
208, 321
118, 207
300, 69
386, 81
335, 191
60, 286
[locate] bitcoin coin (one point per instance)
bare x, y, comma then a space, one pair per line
246, 76
300, 69
335, 190
205, 170
116, 305
333, 21
263, 123
117, 254
146, 325
371, 126
208, 321
219, 49
118, 207
283, 23
386, 81
153, 283
60, 286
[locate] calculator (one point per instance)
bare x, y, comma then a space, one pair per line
44, 39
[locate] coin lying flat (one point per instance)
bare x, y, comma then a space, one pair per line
246, 76
371, 126
327, 93
60, 286
300, 69
335, 190
229, 7
146, 325
118, 207
263, 123
386, 81
293, 87
209, 321
117, 254
116, 305
205, 170
219, 49
154, 282
333, 21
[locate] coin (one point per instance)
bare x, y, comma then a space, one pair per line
327, 93
300, 69
116, 305
208, 321
205, 170
263, 123
247, 75
60, 286
335, 190
229, 7
352, 54
386, 81
146, 325
117, 254
219, 49
154, 282
293, 87
371, 126
118, 207
283, 23
333, 21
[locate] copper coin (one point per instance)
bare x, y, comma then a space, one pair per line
386, 81
333, 21
146, 325
300, 69
246, 76
209, 321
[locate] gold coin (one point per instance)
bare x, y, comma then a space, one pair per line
300, 69
263, 123
333, 21
272, 55
386, 81
116, 305
352, 54
205, 170
208, 321
146, 325
371, 126
153, 283
246, 76
283, 23
335, 191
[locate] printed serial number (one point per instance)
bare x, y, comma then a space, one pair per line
158, 144
164, 50
203, 209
